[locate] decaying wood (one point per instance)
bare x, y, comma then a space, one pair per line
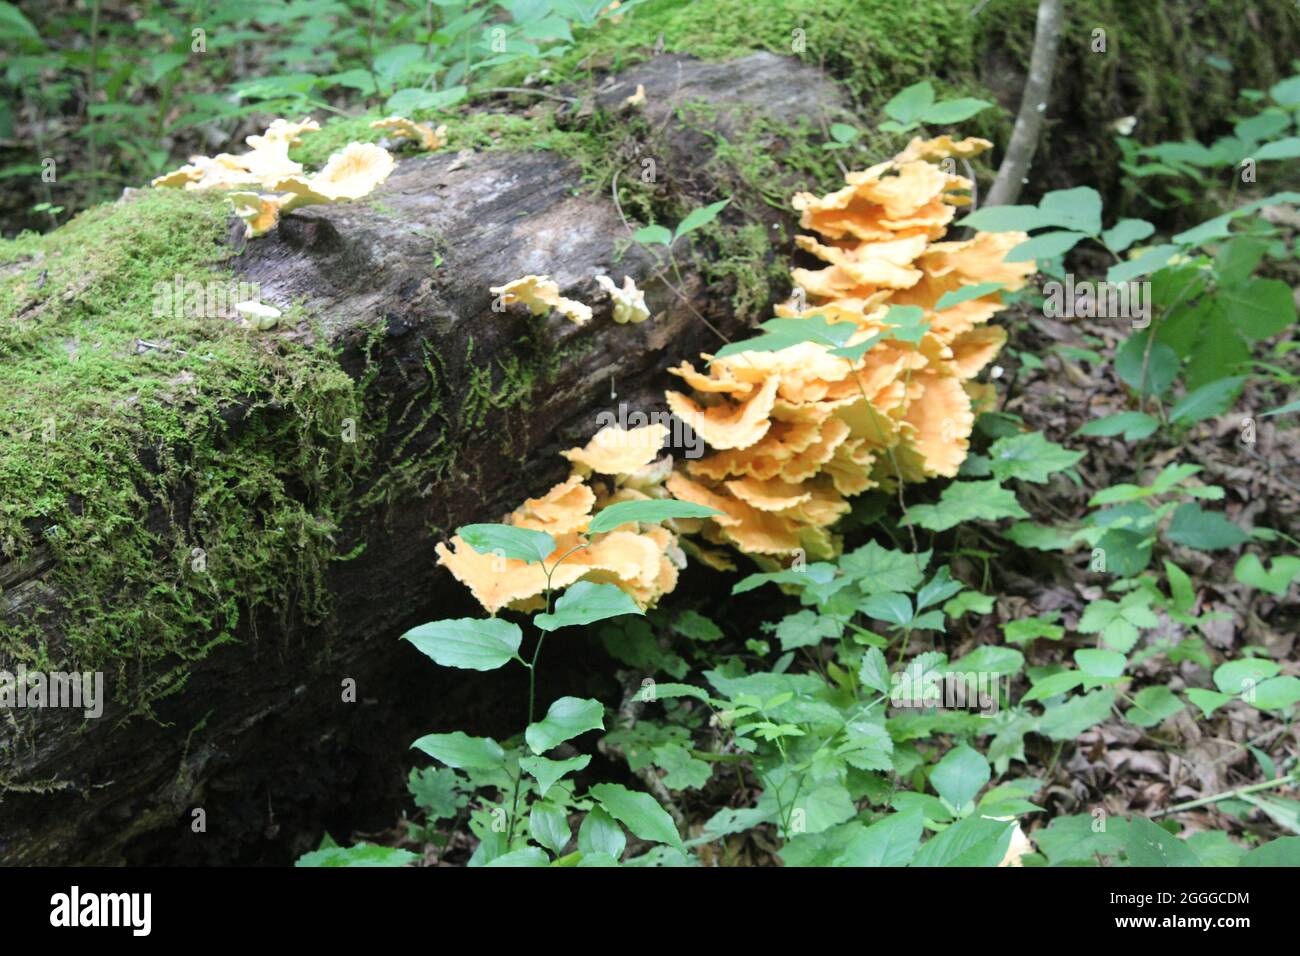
259, 737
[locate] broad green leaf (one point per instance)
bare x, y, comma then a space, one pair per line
657, 691
968, 602
600, 834
649, 512
522, 544
1039, 537
548, 772
1276, 580
1208, 700
966, 293
1078, 208
362, 854
953, 111
682, 771
938, 588
585, 603
908, 105
1260, 308
975, 841
1032, 628
781, 334
893, 608
1047, 245
890, 841
697, 218
697, 627
1194, 527
1126, 232
1146, 262
1207, 401
1053, 685
639, 812
567, 718
1282, 852
1029, 457
1152, 845
459, 750
1151, 705
989, 659
1160, 368
1180, 587
1067, 721
479, 644
549, 826
1099, 663
1133, 425
877, 568
1081, 838
529, 856
653, 235
1276, 693
1287, 148
1236, 676
964, 501
867, 746
1007, 219
1286, 92
960, 775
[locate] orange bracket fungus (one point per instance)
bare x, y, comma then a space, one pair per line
866, 383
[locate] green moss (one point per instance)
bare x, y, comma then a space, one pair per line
135, 433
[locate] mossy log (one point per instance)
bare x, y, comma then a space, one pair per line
463, 411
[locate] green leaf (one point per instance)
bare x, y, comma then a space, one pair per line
867, 746
567, 718
1151, 845
1208, 700
1286, 409
14, 24
893, 608
806, 628
698, 218
1287, 148
876, 568
363, 854
682, 771
874, 671
600, 834
1133, 425
1039, 537
1006, 219
522, 544
1126, 232
407, 101
890, 841
529, 856
1180, 587
549, 826
1193, 527
1047, 245
968, 602
459, 750
1078, 208
974, 841
1151, 705
470, 643
1276, 580
653, 235
1156, 257
548, 772
1284, 851
1029, 457
434, 790
1260, 308
964, 501
1161, 368
657, 691
1032, 628
989, 659
639, 812
953, 111
960, 775
908, 105
784, 333
1276, 693
648, 512
697, 627
1236, 676
966, 293
585, 603
1081, 838
1207, 401
1099, 663
1069, 720
844, 133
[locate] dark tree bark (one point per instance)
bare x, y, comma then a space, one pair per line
259, 737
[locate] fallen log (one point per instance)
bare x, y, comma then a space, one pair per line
236, 748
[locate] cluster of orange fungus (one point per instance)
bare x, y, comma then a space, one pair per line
796, 432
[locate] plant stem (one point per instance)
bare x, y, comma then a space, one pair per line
1240, 791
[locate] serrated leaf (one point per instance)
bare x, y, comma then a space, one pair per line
1194, 527
1207, 401
874, 671
964, 501
1151, 845
1029, 457
1068, 720
1151, 705
975, 841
